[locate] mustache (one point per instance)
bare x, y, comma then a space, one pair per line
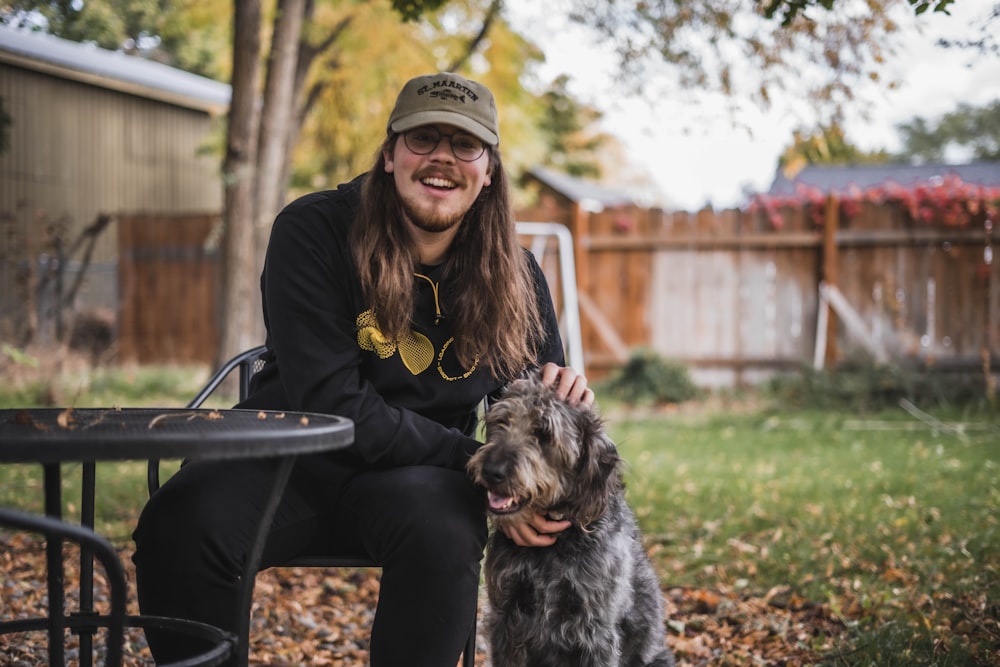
438, 172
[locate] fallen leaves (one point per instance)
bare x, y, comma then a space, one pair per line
309, 617
718, 628
209, 415
312, 617
66, 419
24, 418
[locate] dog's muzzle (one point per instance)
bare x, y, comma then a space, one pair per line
501, 504
493, 476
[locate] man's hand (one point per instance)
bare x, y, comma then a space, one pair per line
535, 531
570, 385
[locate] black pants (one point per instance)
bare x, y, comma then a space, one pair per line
425, 525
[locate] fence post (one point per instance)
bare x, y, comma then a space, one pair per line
579, 228
831, 260
988, 259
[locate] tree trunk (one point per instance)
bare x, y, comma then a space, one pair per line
280, 96
308, 53
242, 326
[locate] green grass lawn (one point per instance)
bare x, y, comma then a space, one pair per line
893, 525
121, 484
889, 523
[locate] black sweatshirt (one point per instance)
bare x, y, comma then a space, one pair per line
411, 403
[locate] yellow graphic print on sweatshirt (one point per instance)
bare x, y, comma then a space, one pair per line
415, 349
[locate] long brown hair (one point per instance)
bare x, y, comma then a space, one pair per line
488, 292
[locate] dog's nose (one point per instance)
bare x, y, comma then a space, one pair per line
494, 472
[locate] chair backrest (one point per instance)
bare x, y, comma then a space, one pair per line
247, 362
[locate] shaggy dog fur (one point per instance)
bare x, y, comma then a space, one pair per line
592, 599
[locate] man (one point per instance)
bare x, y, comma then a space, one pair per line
398, 300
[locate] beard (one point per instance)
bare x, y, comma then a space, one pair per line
430, 219
436, 216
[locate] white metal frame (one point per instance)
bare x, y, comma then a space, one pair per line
569, 319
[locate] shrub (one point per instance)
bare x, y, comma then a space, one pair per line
648, 378
868, 387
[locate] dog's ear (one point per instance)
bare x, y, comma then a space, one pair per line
599, 475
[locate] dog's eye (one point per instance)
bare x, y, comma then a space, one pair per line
543, 435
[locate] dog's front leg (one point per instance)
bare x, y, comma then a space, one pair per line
512, 617
507, 651
603, 649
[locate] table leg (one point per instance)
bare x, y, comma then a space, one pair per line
55, 576
87, 501
55, 529
281, 476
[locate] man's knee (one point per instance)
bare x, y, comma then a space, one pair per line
179, 525
437, 510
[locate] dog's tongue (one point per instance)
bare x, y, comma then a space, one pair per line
500, 503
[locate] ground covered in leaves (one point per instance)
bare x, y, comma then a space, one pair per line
317, 617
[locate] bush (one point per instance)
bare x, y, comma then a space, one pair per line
870, 387
648, 378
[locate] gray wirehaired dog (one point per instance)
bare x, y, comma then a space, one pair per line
592, 599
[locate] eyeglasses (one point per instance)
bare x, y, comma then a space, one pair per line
424, 140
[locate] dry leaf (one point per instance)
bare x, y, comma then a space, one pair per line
66, 419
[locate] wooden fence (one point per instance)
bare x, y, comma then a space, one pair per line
728, 293
736, 298
168, 281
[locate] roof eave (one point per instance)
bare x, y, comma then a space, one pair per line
129, 87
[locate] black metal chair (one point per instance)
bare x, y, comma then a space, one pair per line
247, 363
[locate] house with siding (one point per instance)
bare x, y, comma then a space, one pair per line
95, 133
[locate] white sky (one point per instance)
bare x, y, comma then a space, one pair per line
696, 155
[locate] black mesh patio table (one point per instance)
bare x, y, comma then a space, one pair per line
51, 436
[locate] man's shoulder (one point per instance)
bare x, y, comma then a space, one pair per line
343, 200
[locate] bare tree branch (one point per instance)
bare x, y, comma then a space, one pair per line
474, 43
